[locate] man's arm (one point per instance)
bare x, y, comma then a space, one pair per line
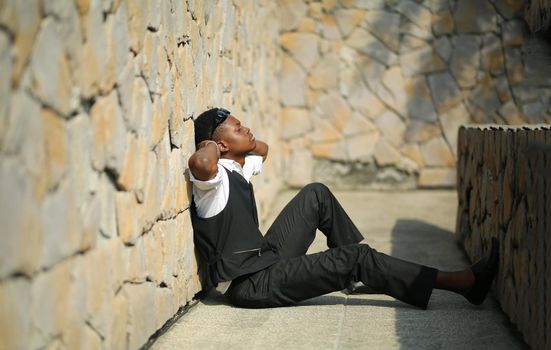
204, 162
261, 149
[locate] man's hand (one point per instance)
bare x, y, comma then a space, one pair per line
261, 149
204, 162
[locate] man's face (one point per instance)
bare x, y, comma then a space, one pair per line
237, 138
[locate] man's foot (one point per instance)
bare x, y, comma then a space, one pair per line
484, 272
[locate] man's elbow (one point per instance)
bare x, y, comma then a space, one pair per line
202, 168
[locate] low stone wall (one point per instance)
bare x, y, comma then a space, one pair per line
375, 90
96, 107
504, 187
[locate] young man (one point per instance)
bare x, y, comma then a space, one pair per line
273, 270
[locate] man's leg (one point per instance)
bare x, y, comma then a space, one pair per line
292, 280
314, 207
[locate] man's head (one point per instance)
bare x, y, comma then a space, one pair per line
219, 125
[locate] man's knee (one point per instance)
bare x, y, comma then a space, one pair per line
317, 188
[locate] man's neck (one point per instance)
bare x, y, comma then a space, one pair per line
238, 159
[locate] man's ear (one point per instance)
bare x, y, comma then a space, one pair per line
222, 146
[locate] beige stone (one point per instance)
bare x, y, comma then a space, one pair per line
386, 154
412, 151
492, 55
15, 319
391, 126
436, 152
324, 131
300, 168
437, 177
294, 122
109, 131
357, 124
329, 28
328, 5
291, 13
307, 25
127, 221
365, 102
303, 47
348, 19
141, 310
361, 40
418, 131
336, 150
361, 147
133, 172
334, 108
292, 83
417, 14
324, 74
410, 42
451, 121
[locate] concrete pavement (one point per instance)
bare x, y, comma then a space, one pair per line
416, 226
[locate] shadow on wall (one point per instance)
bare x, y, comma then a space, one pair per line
450, 322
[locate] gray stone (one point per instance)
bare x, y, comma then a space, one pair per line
445, 92
417, 14
302, 46
492, 55
443, 47
392, 127
364, 42
442, 23
465, 60
292, 84
451, 121
385, 26
484, 96
422, 60
534, 111
412, 29
502, 88
513, 33
370, 4
510, 113
509, 8
410, 42
474, 16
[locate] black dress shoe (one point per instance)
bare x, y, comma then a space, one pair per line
484, 273
359, 288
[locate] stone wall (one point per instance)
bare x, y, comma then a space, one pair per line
96, 101
504, 189
375, 90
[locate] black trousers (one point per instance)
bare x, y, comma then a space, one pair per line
298, 276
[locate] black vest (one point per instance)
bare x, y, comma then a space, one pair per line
230, 243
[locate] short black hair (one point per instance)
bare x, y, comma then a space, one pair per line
207, 122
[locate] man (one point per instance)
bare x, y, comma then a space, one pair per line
274, 270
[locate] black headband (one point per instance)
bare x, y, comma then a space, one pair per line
207, 122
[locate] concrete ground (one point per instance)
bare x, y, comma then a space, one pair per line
417, 226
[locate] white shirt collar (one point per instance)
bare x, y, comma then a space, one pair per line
231, 165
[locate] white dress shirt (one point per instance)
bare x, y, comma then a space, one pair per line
211, 196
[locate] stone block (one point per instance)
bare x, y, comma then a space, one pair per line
324, 131
513, 33
410, 42
443, 47
294, 122
436, 153
451, 121
324, 74
492, 55
465, 60
416, 13
117, 46
365, 102
302, 175
5, 84
134, 170
357, 124
473, 16
361, 147
328, 27
412, 151
361, 40
348, 19
56, 148
50, 70
334, 108
141, 312
386, 154
391, 126
422, 60
127, 220
385, 26
15, 319
336, 150
109, 133
484, 96
510, 113
291, 13
509, 8
502, 88
418, 131
303, 47
513, 65
442, 22
444, 90
437, 177
292, 83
